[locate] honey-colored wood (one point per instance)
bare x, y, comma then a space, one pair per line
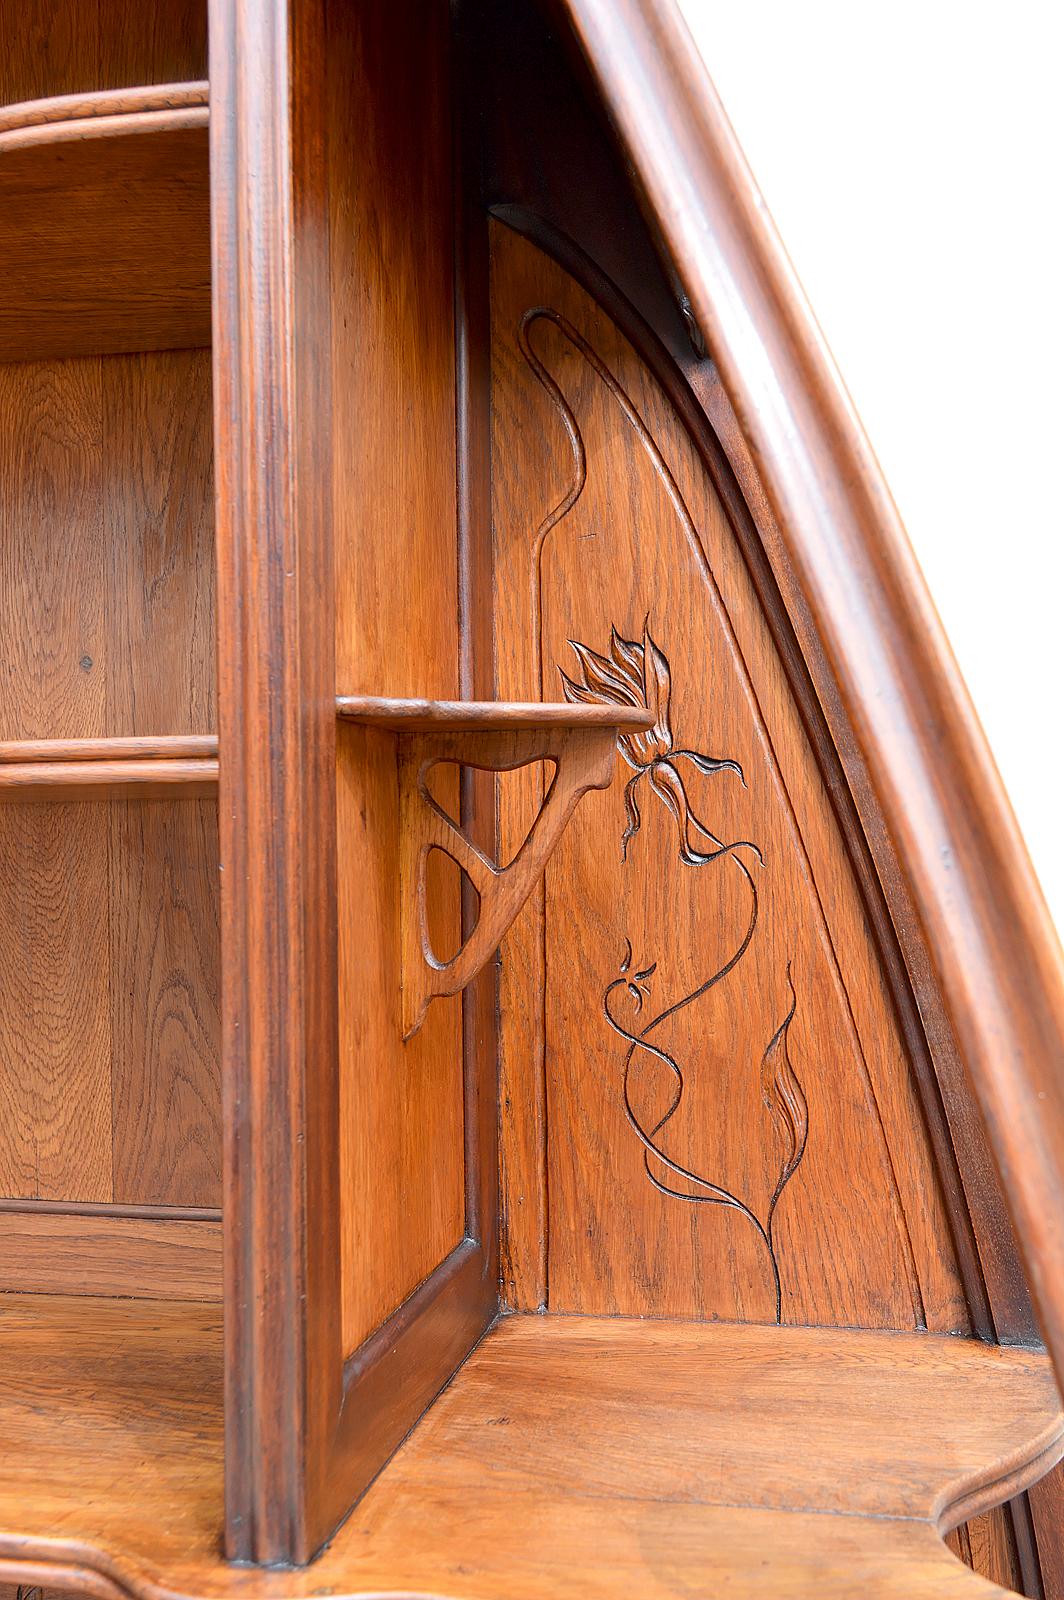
106, 548
63, 47
165, 1074
110, 114
196, 747
578, 743
157, 779
992, 954
709, 889
109, 1041
109, 1079
570, 1456
582, 758
153, 1258
105, 244
482, 716
403, 1171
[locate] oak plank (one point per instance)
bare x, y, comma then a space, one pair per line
571, 1456
143, 1257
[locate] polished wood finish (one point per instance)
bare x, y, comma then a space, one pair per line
100, 769
105, 245
106, 547
577, 742
581, 758
549, 1466
995, 957
483, 716
109, 1078
110, 114
89, 1253
104, 780
406, 1169
702, 936
277, 835
63, 47
483, 467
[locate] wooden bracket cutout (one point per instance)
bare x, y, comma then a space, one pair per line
580, 741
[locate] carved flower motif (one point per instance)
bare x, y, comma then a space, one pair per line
637, 674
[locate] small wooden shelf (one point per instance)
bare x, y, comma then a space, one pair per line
571, 1456
580, 741
182, 767
106, 240
483, 716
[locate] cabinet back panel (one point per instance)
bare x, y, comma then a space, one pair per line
109, 1083
106, 547
108, 911
394, 507
72, 47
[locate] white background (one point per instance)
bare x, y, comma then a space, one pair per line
912, 156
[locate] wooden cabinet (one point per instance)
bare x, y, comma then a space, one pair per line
525, 1023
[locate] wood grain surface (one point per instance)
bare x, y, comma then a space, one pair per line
65, 47
490, 716
106, 242
992, 954
792, 1176
109, 1071
145, 1257
394, 497
106, 517
570, 1456
111, 114
109, 1063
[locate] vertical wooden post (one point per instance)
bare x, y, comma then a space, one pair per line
277, 742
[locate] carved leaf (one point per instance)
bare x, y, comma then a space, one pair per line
606, 682
628, 657
658, 688
785, 1098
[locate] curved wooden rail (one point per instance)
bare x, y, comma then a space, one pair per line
996, 956
108, 114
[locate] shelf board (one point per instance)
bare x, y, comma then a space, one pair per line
182, 767
571, 1456
483, 716
105, 246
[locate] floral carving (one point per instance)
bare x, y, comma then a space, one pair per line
781, 1091
637, 674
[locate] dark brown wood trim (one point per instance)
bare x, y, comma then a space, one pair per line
277, 801
391, 1379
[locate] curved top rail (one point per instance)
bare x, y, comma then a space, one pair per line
996, 955
105, 114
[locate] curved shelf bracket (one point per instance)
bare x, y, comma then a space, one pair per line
581, 744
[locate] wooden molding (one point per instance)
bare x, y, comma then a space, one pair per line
111, 113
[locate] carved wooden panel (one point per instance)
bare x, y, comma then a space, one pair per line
707, 1109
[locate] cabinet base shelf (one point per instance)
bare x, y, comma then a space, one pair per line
571, 1456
